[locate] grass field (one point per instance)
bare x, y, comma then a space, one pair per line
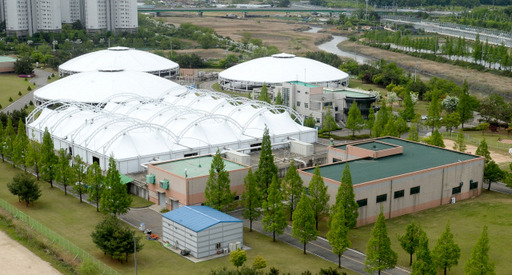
75, 221
12, 84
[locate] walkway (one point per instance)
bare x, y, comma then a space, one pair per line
40, 79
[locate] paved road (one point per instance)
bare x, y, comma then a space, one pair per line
499, 187
40, 79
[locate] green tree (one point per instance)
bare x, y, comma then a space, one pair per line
33, 158
424, 265
218, 191
304, 222
446, 252
479, 262
464, 108
251, 198
460, 144
391, 129
20, 146
319, 196
264, 94
493, 173
10, 136
310, 121
345, 196
413, 132
338, 231
114, 198
259, 263
355, 120
2, 141
25, 187
411, 239
329, 122
237, 257
292, 187
23, 66
483, 150
274, 219
115, 239
279, 99
451, 121
267, 169
371, 119
80, 172
49, 160
408, 112
95, 181
379, 255
65, 174
434, 111
436, 139
382, 119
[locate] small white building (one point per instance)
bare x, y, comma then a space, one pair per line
202, 230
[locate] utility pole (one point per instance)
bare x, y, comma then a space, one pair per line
366, 12
135, 252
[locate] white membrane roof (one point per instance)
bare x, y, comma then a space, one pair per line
119, 57
281, 68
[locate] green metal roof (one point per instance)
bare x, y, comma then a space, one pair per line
7, 59
350, 93
342, 147
196, 167
309, 85
375, 146
125, 179
415, 157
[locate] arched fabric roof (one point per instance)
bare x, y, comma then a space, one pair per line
281, 68
95, 87
119, 57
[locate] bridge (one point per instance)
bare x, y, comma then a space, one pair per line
200, 10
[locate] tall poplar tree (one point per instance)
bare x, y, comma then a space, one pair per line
459, 144
33, 158
424, 265
279, 99
483, 150
304, 222
80, 172
96, 182
346, 198
10, 136
319, 196
293, 187
251, 198
267, 169
371, 119
65, 174
411, 239
434, 111
218, 191
329, 124
479, 262
338, 231
49, 160
408, 112
264, 94
464, 108
355, 121
21, 144
114, 198
379, 255
413, 132
446, 252
274, 219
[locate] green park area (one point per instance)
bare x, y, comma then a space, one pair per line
12, 85
75, 221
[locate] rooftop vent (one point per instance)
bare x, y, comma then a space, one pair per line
283, 55
118, 49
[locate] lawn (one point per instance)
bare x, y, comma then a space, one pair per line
12, 84
139, 202
75, 221
467, 219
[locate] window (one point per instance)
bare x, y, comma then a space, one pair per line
362, 202
415, 190
306, 105
399, 194
456, 190
473, 185
218, 246
381, 198
190, 155
298, 103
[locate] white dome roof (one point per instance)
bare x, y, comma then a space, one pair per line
283, 67
119, 57
95, 87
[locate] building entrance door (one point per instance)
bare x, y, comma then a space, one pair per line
161, 199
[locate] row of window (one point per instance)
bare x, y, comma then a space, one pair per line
413, 191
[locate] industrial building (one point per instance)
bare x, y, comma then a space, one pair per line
26, 17
279, 68
120, 58
400, 176
7, 64
175, 183
202, 231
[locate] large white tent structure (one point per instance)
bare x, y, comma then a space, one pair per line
279, 68
178, 124
101, 85
120, 57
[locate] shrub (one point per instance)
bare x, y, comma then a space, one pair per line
19, 93
49, 77
29, 88
31, 103
89, 268
10, 99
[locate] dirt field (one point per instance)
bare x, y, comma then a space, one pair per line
480, 83
16, 259
274, 32
497, 157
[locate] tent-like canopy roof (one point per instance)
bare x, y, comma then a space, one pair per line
99, 86
119, 57
283, 67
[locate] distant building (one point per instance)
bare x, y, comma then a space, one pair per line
314, 100
202, 231
26, 17
400, 176
180, 182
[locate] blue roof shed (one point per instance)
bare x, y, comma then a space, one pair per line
198, 218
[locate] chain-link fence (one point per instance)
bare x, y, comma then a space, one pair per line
57, 239
493, 144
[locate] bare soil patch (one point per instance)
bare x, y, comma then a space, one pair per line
507, 141
484, 83
471, 149
16, 259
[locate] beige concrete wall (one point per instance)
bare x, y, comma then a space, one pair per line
6, 67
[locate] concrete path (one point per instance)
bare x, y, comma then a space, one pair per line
499, 187
40, 79
151, 219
